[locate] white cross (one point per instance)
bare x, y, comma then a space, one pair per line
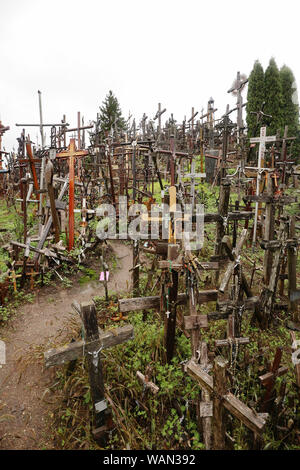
262, 139
193, 175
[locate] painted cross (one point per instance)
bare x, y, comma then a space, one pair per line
262, 140
71, 154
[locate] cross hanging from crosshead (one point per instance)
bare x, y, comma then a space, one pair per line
71, 154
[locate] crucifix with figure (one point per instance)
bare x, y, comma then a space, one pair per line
71, 154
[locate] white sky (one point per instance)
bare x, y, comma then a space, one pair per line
176, 52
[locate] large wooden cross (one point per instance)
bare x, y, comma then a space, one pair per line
71, 154
95, 340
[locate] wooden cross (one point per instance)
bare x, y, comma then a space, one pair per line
223, 399
158, 116
233, 255
231, 341
14, 277
210, 121
90, 348
267, 296
194, 323
193, 175
48, 225
268, 379
238, 87
262, 140
31, 274
71, 154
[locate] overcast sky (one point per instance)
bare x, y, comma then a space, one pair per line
179, 53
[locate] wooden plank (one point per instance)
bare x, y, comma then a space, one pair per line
224, 342
249, 304
69, 352
248, 417
148, 384
143, 303
206, 409
265, 378
94, 365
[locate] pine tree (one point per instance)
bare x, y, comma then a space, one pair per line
111, 115
289, 99
273, 97
255, 96
290, 106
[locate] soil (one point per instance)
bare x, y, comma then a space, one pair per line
26, 401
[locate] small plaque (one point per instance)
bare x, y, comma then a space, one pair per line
206, 409
52, 154
100, 406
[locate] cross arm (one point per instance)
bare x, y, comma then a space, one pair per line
107, 339
246, 415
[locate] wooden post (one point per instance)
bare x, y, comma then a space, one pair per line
221, 225
136, 269
220, 389
206, 404
292, 274
295, 345
268, 379
268, 231
71, 154
49, 183
170, 320
104, 268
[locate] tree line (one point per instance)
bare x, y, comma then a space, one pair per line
274, 92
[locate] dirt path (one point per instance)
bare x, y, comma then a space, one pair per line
25, 400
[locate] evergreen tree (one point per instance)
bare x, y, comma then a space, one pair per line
273, 97
289, 99
111, 115
255, 96
290, 106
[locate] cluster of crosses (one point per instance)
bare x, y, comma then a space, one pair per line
65, 179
